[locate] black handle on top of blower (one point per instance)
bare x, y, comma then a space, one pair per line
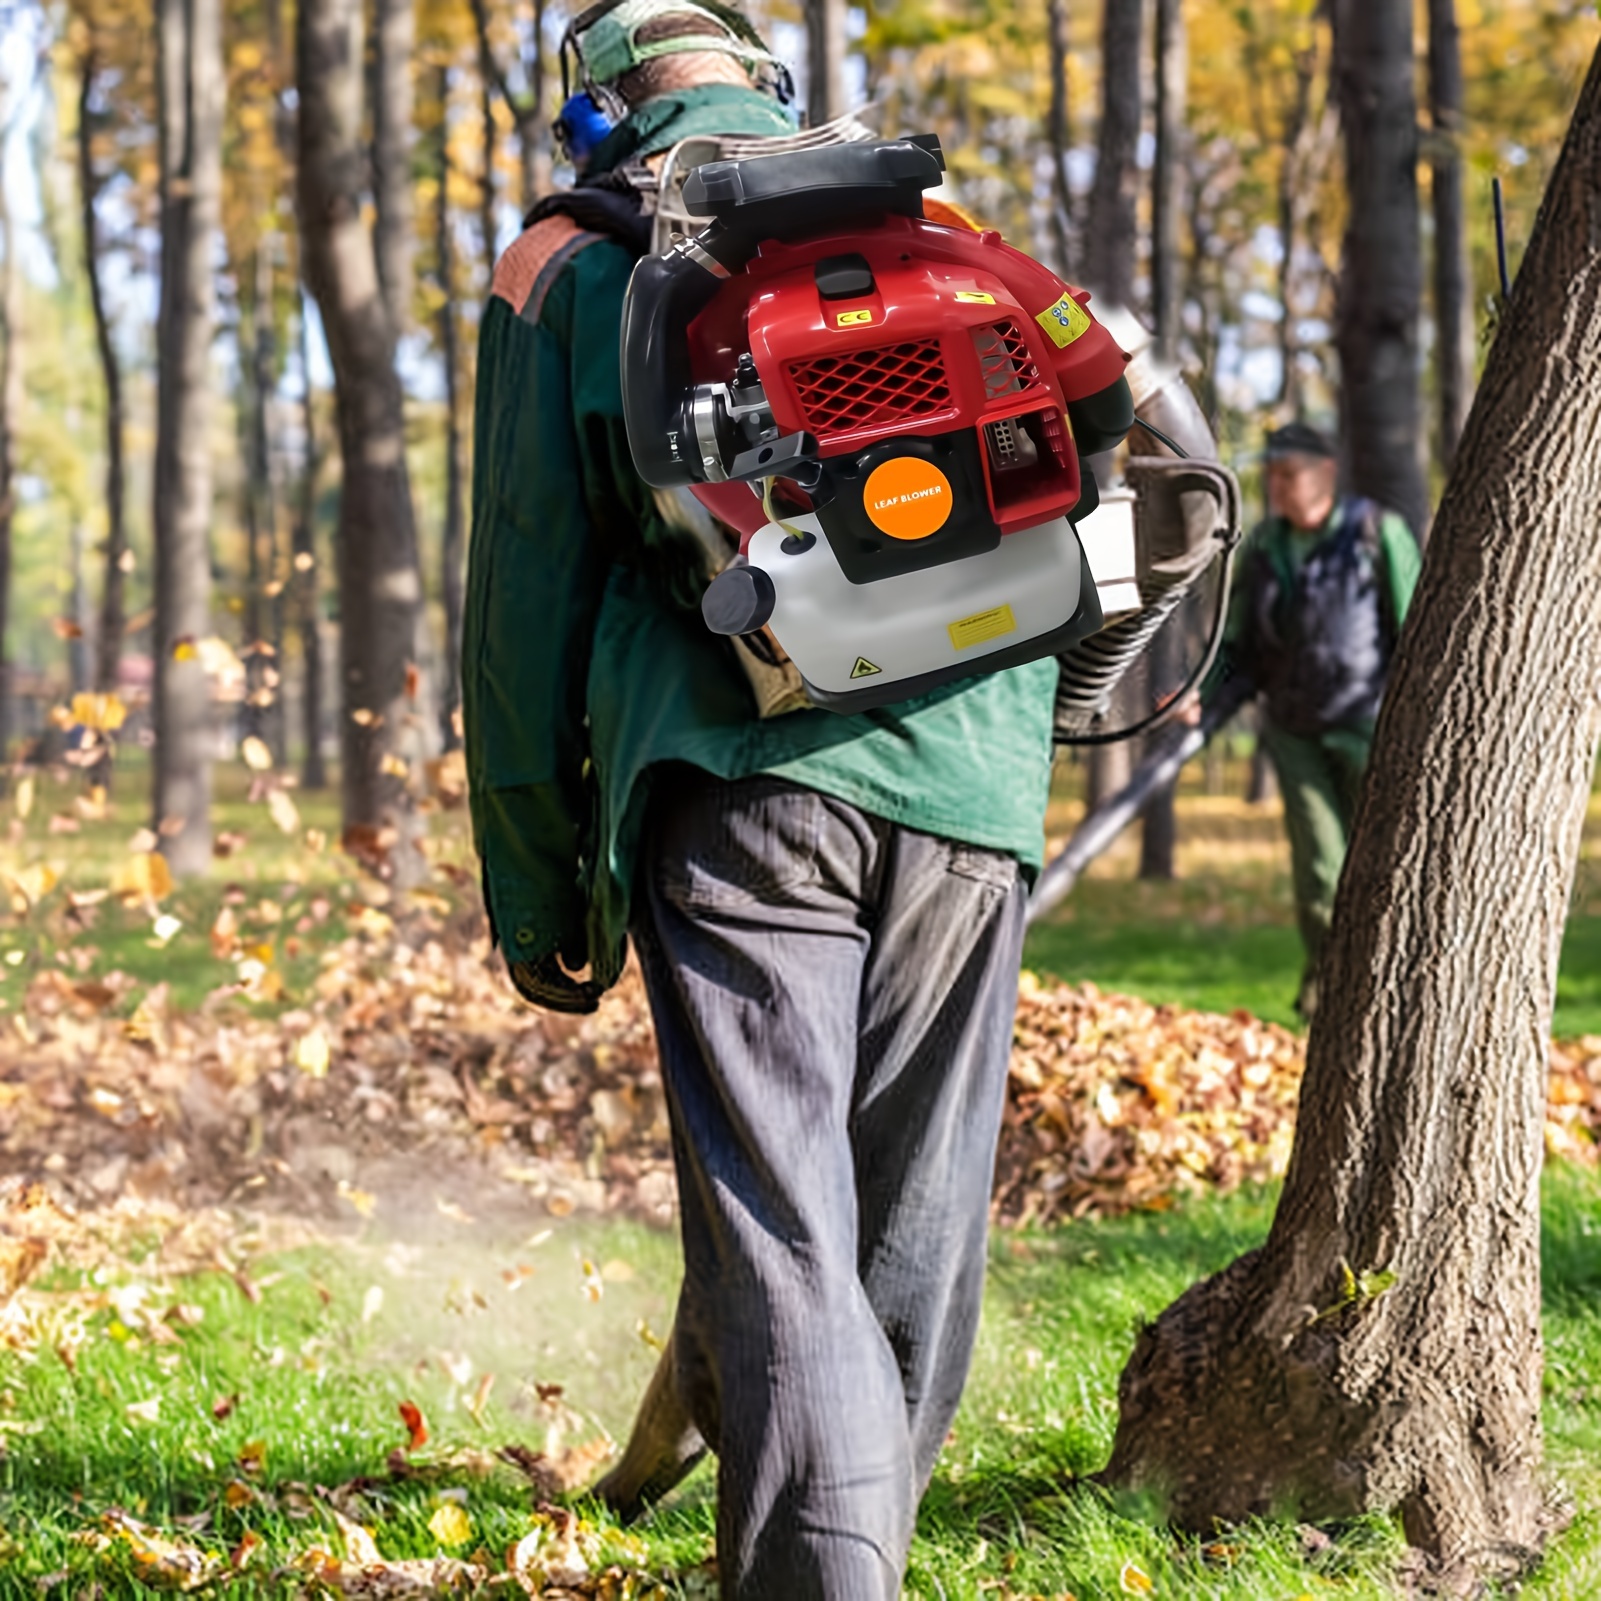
1101, 826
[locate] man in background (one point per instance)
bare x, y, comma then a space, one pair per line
1323, 586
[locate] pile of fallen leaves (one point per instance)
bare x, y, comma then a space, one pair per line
409, 1055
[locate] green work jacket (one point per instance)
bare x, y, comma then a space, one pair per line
586, 664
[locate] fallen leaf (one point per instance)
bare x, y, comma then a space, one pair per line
256, 754
312, 1054
450, 1525
411, 1416
1132, 1579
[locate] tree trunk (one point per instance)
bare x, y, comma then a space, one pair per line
307, 597
1453, 271
527, 112
1159, 823
262, 613
80, 661
108, 649
488, 230
394, 227
379, 587
1382, 1349
1109, 257
454, 545
191, 83
1381, 283
825, 61
10, 419
1167, 180
1290, 179
1063, 224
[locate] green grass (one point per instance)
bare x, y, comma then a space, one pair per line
320, 1384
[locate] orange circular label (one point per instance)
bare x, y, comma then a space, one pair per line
908, 498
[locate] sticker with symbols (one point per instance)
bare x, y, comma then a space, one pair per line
1066, 321
851, 319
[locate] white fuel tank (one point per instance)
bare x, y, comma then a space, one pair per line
846, 637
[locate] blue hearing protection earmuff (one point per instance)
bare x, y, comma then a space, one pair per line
581, 126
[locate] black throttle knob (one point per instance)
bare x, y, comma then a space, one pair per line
738, 601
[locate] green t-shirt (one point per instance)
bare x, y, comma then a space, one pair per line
586, 663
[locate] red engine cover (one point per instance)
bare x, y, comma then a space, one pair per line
959, 330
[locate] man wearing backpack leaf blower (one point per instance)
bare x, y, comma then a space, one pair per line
828, 909
1324, 586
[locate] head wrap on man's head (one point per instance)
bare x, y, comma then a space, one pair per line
1299, 439
624, 38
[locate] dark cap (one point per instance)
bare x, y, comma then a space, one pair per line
1299, 439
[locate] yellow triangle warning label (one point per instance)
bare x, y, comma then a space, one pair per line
864, 668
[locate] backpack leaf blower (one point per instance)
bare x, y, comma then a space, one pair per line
891, 412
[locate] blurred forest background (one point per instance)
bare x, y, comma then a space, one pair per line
189, 532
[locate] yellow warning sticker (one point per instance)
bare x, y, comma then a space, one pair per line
982, 626
1066, 321
865, 669
850, 319
974, 297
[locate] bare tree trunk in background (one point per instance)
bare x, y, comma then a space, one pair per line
263, 711
1382, 1349
192, 86
488, 229
307, 596
825, 60
1159, 822
1454, 344
108, 647
528, 113
380, 590
1167, 179
1290, 178
80, 638
10, 419
393, 118
453, 549
1063, 223
1381, 284
1109, 254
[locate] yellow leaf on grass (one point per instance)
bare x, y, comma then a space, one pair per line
23, 798
160, 1561
1132, 1579
359, 1543
257, 757
31, 885
312, 1054
450, 1525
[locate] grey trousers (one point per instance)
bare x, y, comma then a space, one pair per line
833, 997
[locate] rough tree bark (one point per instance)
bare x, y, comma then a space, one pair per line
108, 646
1382, 1349
1453, 269
453, 548
1109, 240
380, 590
394, 223
191, 89
1063, 224
263, 614
825, 60
1381, 281
307, 590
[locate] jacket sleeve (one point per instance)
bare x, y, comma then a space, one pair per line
1402, 560
534, 586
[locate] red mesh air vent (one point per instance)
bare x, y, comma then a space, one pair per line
840, 394
1004, 358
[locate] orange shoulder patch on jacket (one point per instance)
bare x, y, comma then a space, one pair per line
520, 265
